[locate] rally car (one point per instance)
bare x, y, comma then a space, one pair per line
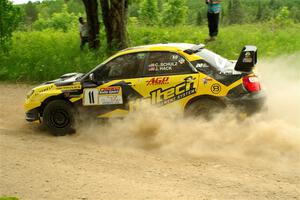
188, 76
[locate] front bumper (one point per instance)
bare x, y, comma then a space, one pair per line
249, 103
32, 115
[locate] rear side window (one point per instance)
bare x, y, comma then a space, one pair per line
166, 63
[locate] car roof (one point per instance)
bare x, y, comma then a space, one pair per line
163, 47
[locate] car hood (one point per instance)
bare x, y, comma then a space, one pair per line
66, 79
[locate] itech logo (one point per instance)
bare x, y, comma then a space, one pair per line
169, 95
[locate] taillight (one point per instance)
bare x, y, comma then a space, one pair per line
251, 83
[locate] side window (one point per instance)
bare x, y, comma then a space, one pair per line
126, 66
166, 63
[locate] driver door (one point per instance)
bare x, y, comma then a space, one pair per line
116, 85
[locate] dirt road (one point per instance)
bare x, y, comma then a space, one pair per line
151, 155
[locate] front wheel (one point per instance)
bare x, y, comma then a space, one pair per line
58, 117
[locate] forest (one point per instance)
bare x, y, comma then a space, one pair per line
40, 40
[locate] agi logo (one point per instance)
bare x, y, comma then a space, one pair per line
175, 93
158, 81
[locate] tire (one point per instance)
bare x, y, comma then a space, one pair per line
205, 108
58, 118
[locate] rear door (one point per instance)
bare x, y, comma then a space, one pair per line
168, 79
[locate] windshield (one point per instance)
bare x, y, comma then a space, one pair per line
215, 60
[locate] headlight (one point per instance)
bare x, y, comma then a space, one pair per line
29, 94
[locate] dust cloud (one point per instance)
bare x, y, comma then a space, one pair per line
272, 135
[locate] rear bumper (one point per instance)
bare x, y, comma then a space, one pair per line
32, 115
250, 103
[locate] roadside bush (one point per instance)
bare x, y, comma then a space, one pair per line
58, 21
47, 54
271, 42
10, 17
44, 55
174, 12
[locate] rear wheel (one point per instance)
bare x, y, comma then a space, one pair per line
205, 108
58, 117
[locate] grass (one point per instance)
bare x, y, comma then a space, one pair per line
270, 41
47, 54
8, 198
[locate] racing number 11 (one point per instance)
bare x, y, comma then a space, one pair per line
90, 97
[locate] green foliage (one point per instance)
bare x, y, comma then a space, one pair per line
283, 17
134, 8
58, 21
160, 5
174, 12
8, 198
230, 40
194, 7
75, 6
274, 4
52, 48
199, 18
45, 55
259, 14
235, 12
49, 7
149, 12
10, 16
31, 13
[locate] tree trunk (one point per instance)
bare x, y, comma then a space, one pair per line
91, 9
114, 14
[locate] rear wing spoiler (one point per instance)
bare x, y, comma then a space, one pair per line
247, 59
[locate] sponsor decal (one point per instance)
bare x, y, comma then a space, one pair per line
39, 91
45, 89
103, 96
110, 100
215, 88
174, 57
247, 58
69, 87
152, 68
90, 97
110, 96
158, 81
181, 61
202, 65
162, 66
206, 79
169, 95
109, 90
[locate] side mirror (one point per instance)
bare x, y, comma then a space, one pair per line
92, 77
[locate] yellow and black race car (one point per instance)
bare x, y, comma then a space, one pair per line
187, 76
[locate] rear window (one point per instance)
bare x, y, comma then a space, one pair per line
215, 60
